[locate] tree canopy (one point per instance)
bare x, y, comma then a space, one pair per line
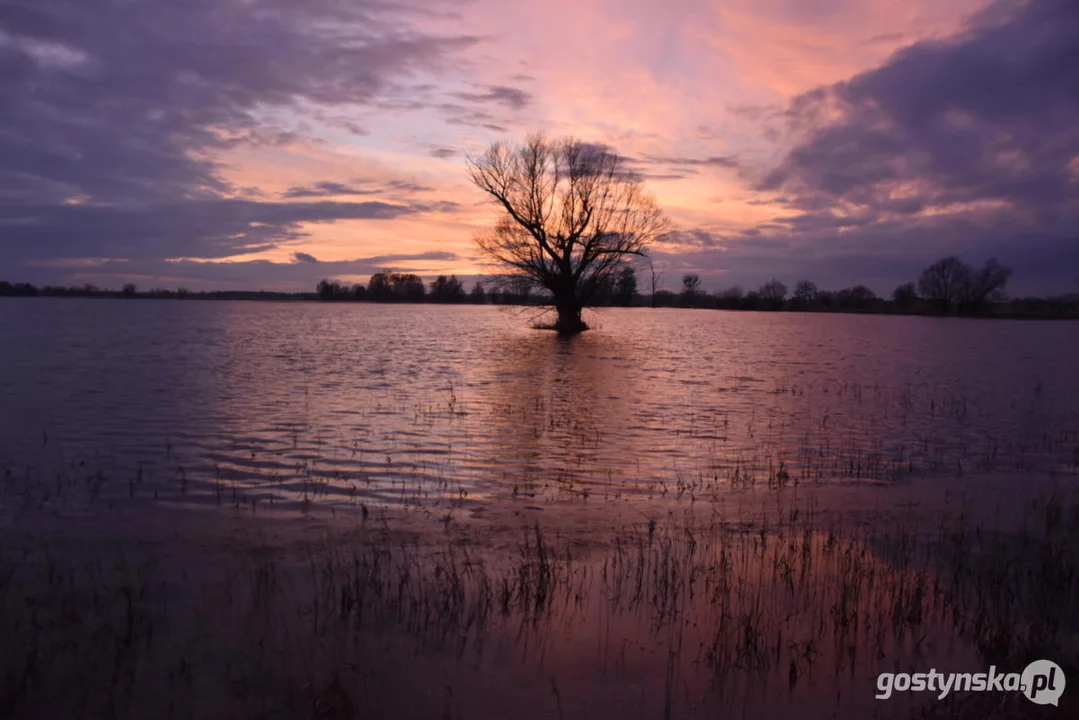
571, 214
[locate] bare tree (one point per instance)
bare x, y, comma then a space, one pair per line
951, 282
571, 213
905, 296
805, 292
944, 282
655, 279
773, 291
987, 284
691, 286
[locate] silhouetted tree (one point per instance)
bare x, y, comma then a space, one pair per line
951, 284
605, 290
691, 289
987, 284
407, 287
654, 279
379, 288
905, 296
571, 212
730, 299
751, 301
663, 298
626, 286
447, 289
478, 294
359, 292
324, 290
772, 294
858, 297
944, 283
129, 290
805, 293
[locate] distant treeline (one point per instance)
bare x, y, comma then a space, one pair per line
130, 290
948, 287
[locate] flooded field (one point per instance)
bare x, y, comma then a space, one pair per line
301, 510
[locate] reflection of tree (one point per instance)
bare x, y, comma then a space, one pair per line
559, 411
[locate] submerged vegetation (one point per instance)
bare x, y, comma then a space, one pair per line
689, 610
728, 587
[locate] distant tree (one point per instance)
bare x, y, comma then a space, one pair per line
663, 298
626, 286
6, 288
447, 289
731, 298
655, 277
329, 290
571, 212
752, 301
858, 297
605, 290
905, 296
478, 294
129, 290
805, 293
773, 293
407, 287
359, 292
691, 289
987, 284
945, 283
379, 287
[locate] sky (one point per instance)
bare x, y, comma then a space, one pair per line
266, 144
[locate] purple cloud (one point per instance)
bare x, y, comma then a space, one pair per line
121, 107
967, 145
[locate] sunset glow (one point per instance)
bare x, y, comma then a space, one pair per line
210, 144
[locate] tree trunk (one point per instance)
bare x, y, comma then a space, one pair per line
569, 314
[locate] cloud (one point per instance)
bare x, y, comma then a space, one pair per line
296, 276
115, 116
510, 97
409, 187
327, 189
963, 145
302, 257
205, 228
729, 162
336, 189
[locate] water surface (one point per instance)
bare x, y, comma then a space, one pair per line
401, 404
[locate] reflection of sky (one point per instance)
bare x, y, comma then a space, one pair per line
417, 404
